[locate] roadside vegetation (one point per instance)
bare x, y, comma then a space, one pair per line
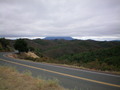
10, 79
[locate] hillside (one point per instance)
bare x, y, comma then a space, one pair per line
101, 55
58, 48
104, 59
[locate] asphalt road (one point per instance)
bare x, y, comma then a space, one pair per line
69, 77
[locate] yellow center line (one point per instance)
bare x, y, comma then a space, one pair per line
109, 84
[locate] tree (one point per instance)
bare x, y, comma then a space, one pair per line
21, 45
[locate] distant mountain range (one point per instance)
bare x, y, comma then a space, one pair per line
58, 38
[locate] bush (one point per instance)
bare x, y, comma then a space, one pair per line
21, 45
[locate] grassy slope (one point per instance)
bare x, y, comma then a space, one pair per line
10, 79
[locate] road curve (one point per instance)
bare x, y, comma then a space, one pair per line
68, 77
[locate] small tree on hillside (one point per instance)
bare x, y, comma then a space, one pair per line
21, 45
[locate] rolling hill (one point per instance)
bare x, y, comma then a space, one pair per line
102, 55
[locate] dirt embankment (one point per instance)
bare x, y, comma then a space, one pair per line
24, 55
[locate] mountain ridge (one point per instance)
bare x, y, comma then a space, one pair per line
59, 38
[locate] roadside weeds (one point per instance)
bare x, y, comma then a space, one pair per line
10, 79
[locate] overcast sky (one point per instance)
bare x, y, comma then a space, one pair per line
84, 19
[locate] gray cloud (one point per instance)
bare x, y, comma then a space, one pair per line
77, 18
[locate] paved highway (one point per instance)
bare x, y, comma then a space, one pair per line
69, 77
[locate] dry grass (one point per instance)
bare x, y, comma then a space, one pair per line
31, 54
23, 55
10, 79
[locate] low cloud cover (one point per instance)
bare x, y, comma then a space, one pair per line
83, 19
